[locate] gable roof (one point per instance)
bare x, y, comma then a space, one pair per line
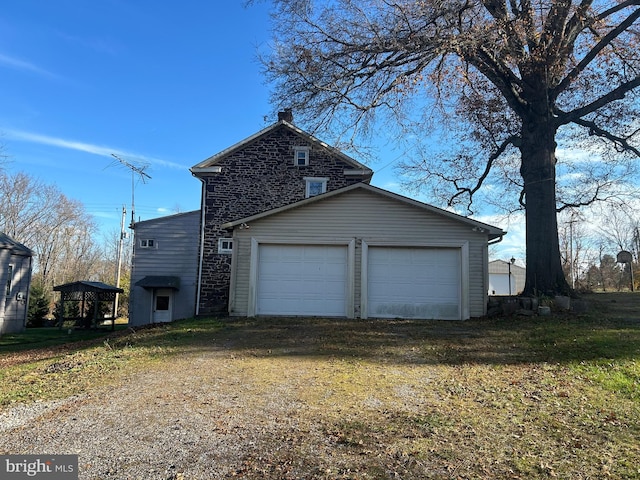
503, 263
8, 243
212, 161
493, 232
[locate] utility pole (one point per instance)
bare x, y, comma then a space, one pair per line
123, 235
571, 259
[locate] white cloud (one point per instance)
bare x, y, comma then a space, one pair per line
18, 64
570, 177
86, 147
513, 243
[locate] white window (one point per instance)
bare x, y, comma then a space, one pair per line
148, 243
315, 186
225, 245
300, 156
9, 277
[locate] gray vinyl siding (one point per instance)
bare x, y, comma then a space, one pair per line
175, 253
13, 312
364, 216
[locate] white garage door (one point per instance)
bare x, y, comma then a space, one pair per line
499, 284
414, 283
302, 280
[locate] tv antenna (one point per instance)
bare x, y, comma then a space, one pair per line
138, 170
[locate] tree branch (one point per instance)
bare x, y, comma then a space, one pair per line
471, 191
621, 143
617, 93
595, 51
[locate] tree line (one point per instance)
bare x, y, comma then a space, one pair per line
64, 238
589, 247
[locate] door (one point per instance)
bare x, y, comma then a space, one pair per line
414, 282
306, 280
162, 305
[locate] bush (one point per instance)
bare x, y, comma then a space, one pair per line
38, 307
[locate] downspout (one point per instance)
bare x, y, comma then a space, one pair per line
497, 240
486, 274
201, 254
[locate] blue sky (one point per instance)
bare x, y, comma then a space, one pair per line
165, 83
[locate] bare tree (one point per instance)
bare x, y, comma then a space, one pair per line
504, 81
57, 228
575, 239
618, 226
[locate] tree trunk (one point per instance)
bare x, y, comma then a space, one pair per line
544, 266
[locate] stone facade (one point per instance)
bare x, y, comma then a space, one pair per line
256, 176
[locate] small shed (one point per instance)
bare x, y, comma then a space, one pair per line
90, 298
15, 280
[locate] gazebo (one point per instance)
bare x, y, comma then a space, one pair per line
87, 294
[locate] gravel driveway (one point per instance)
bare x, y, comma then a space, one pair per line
337, 399
188, 418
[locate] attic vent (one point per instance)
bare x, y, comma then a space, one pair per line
286, 115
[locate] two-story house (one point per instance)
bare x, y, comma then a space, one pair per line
182, 263
275, 167
288, 225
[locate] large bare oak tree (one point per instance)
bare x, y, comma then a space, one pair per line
510, 78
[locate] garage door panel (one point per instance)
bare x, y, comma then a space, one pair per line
414, 282
302, 280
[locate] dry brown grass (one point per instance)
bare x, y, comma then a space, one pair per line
335, 399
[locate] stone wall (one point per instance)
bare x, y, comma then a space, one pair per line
529, 306
256, 178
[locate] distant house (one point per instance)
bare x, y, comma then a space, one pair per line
506, 278
289, 226
15, 280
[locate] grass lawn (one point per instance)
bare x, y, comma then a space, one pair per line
541, 397
50, 336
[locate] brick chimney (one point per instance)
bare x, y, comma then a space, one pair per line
286, 115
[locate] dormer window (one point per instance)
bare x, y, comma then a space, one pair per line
315, 186
301, 156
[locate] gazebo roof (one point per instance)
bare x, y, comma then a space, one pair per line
86, 286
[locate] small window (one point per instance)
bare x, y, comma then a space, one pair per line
9, 277
301, 156
148, 243
315, 186
225, 245
162, 302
